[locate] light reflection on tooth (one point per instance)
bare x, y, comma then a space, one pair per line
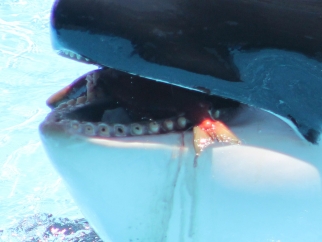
154, 127
71, 102
119, 130
182, 122
81, 100
103, 130
89, 129
168, 124
136, 129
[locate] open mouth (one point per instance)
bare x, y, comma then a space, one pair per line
109, 104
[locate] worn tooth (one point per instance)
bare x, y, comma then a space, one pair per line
81, 100
64, 122
65, 52
119, 130
168, 124
71, 54
216, 114
103, 130
154, 127
90, 86
86, 59
137, 129
75, 125
71, 102
78, 57
89, 129
62, 105
182, 122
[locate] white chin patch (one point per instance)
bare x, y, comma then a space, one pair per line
146, 188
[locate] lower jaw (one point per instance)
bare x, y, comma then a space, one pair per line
146, 188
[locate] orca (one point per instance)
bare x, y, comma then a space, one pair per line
201, 123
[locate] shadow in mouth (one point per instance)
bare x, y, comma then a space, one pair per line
111, 103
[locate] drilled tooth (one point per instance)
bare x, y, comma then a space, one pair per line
89, 129
103, 130
182, 122
168, 124
154, 127
137, 129
71, 102
81, 100
120, 130
75, 126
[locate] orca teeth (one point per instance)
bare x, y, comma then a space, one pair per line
168, 124
89, 129
154, 127
72, 55
75, 126
71, 102
69, 115
87, 107
121, 130
81, 100
137, 129
103, 130
182, 122
118, 130
62, 106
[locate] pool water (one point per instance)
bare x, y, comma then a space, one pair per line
33, 198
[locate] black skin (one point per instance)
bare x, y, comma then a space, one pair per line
194, 35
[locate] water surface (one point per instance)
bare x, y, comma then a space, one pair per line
30, 189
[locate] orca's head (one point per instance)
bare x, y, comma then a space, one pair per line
124, 136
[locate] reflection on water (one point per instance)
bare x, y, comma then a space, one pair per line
44, 227
30, 72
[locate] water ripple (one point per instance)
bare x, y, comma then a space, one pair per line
30, 72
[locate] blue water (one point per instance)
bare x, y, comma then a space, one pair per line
32, 195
